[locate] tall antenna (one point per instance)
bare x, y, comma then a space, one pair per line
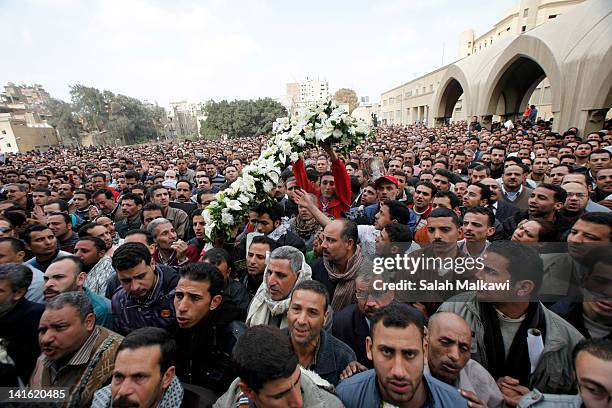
442, 54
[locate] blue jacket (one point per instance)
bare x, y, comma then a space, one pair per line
370, 213
157, 310
361, 391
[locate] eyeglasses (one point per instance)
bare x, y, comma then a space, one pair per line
5, 229
364, 295
579, 195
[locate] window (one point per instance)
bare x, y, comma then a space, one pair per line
4, 132
526, 12
552, 16
508, 29
8, 144
523, 29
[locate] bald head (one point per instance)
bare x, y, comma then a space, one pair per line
450, 341
442, 320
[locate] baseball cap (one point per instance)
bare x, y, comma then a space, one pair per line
382, 179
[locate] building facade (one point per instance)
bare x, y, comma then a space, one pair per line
23, 124
306, 93
561, 61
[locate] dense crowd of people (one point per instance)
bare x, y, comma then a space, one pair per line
109, 288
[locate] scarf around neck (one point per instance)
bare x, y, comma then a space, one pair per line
306, 228
517, 365
173, 396
345, 281
263, 306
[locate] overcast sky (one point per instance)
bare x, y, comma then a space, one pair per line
198, 50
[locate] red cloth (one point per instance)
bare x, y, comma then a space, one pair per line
115, 192
341, 201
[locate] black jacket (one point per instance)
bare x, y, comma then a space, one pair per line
505, 210
113, 282
332, 358
292, 239
351, 327
20, 328
125, 225
205, 349
320, 274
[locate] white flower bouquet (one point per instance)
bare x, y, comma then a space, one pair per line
323, 123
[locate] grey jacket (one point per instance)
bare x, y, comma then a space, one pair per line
317, 393
554, 373
474, 377
538, 400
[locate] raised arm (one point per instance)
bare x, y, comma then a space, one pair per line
305, 199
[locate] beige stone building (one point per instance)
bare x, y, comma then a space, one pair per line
23, 125
20, 133
564, 52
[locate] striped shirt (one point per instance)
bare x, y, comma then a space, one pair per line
81, 357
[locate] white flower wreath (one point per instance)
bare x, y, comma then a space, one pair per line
321, 123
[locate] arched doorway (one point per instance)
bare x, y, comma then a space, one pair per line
448, 107
515, 89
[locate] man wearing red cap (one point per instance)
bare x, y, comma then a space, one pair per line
387, 188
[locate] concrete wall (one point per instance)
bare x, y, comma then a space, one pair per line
34, 138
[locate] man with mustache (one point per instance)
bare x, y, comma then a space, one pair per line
513, 190
449, 340
71, 344
546, 201
398, 349
180, 220
316, 349
171, 251
19, 319
67, 275
286, 267
147, 291
144, 375
352, 324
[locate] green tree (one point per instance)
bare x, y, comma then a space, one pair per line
122, 117
241, 118
62, 118
91, 107
348, 96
